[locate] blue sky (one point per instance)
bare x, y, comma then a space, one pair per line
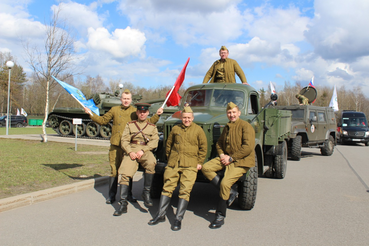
147, 42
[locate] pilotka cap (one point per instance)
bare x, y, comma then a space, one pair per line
231, 105
187, 109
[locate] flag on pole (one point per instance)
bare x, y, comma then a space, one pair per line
334, 102
311, 84
18, 112
272, 89
78, 95
23, 112
172, 96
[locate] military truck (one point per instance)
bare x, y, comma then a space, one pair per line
312, 126
272, 128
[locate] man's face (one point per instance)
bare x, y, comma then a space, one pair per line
126, 99
187, 118
142, 114
233, 114
223, 54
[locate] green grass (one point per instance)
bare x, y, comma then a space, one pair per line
27, 166
26, 130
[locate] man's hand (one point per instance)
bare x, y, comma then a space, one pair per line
246, 83
199, 167
139, 154
87, 110
224, 159
133, 155
159, 111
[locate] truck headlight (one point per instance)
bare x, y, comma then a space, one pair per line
344, 133
367, 134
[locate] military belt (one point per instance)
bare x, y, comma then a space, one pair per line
138, 142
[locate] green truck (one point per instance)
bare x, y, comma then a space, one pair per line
272, 129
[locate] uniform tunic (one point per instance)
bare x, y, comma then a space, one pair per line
224, 72
186, 147
238, 141
133, 142
120, 116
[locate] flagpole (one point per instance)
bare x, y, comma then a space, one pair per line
80, 103
166, 99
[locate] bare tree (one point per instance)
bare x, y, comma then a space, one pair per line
54, 59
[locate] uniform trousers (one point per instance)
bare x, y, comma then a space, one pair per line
185, 175
231, 175
115, 159
129, 167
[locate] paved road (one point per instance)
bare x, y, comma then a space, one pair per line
322, 201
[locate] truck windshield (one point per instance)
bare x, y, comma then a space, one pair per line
354, 121
215, 98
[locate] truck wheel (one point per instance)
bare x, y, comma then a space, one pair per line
92, 129
247, 189
106, 130
366, 143
65, 127
280, 161
81, 130
328, 147
19, 125
157, 185
296, 148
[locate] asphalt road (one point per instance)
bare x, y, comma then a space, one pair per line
322, 201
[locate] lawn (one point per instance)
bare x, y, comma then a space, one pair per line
27, 166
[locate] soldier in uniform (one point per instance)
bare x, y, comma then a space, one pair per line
139, 138
236, 156
224, 69
186, 150
120, 116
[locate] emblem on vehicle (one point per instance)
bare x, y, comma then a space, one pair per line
312, 128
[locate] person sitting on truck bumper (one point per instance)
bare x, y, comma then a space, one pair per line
236, 156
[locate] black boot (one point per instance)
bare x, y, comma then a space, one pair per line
233, 194
130, 197
123, 200
146, 190
219, 214
181, 209
113, 185
160, 216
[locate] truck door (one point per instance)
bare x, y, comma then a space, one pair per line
321, 127
312, 125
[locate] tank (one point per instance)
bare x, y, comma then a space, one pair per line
61, 119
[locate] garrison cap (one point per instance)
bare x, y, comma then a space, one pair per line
126, 91
231, 105
187, 109
143, 106
223, 48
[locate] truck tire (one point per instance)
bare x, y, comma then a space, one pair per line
328, 147
65, 128
247, 189
157, 186
280, 161
296, 144
366, 143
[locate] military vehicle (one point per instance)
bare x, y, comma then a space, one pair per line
353, 128
272, 126
312, 126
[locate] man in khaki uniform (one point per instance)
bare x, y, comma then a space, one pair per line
139, 138
236, 156
186, 150
120, 116
224, 69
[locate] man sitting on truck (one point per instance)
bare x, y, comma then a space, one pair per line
236, 156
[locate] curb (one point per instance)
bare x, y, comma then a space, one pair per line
43, 195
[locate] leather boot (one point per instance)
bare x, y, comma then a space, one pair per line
123, 201
219, 214
181, 209
113, 186
233, 194
160, 216
130, 197
146, 190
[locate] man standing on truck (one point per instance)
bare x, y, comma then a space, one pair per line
186, 150
120, 116
224, 69
139, 138
236, 156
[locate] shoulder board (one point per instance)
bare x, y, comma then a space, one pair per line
151, 124
132, 122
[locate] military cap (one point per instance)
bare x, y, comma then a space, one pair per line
231, 105
126, 91
187, 109
223, 48
143, 106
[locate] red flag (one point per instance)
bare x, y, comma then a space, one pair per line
175, 98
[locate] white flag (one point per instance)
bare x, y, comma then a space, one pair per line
272, 89
23, 112
334, 102
18, 112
